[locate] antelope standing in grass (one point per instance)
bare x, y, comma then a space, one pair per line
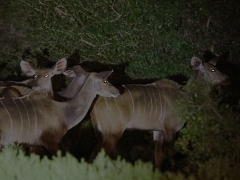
40, 121
40, 81
147, 107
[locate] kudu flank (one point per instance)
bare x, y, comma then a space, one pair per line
40, 81
147, 107
38, 120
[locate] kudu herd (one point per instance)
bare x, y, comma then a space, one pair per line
38, 120
35, 118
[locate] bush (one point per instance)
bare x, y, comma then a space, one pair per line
211, 138
156, 38
15, 165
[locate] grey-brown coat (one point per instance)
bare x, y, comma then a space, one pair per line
38, 120
147, 107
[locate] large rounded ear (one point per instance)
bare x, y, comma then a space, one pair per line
60, 66
69, 73
27, 69
214, 61
104, 75
196, 63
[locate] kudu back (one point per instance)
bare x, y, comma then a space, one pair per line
146, 107
40, 121
40, 80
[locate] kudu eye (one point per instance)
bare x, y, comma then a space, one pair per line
35, 77
213, 70
105, 81
46, 76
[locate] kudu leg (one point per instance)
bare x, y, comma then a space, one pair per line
158, 137
52, 147
96, 149
51, 139
106, 142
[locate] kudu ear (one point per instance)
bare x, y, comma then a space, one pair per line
104, 75
196, 63
60, 66
27, 69
69, 73
214, 61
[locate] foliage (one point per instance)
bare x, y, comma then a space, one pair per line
211, 138
16, 165
156, 38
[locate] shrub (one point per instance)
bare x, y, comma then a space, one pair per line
211, 138
156, 38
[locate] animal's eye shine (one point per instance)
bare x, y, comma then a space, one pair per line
212, 70
105, 81
46, 76
35, 77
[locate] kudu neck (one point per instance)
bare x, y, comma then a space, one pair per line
198, 85
76, 109
74, 87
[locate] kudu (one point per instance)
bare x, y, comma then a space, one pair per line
40, 121
146, 107
40, 81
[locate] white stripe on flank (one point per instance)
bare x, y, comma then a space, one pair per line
151, 100
20, 115
137, 99
118, 109
155, 100
122, 99
107, 104
165, 103
36, 120
27, 115
8, 115
96, 120
131, 97
99, 125
144, 100
160, 103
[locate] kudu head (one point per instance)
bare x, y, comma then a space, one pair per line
208, 71
101, 85
42, 77
105, 89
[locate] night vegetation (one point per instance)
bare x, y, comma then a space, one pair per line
151, 39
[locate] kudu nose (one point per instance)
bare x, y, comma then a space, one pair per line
115, 92
226, 81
